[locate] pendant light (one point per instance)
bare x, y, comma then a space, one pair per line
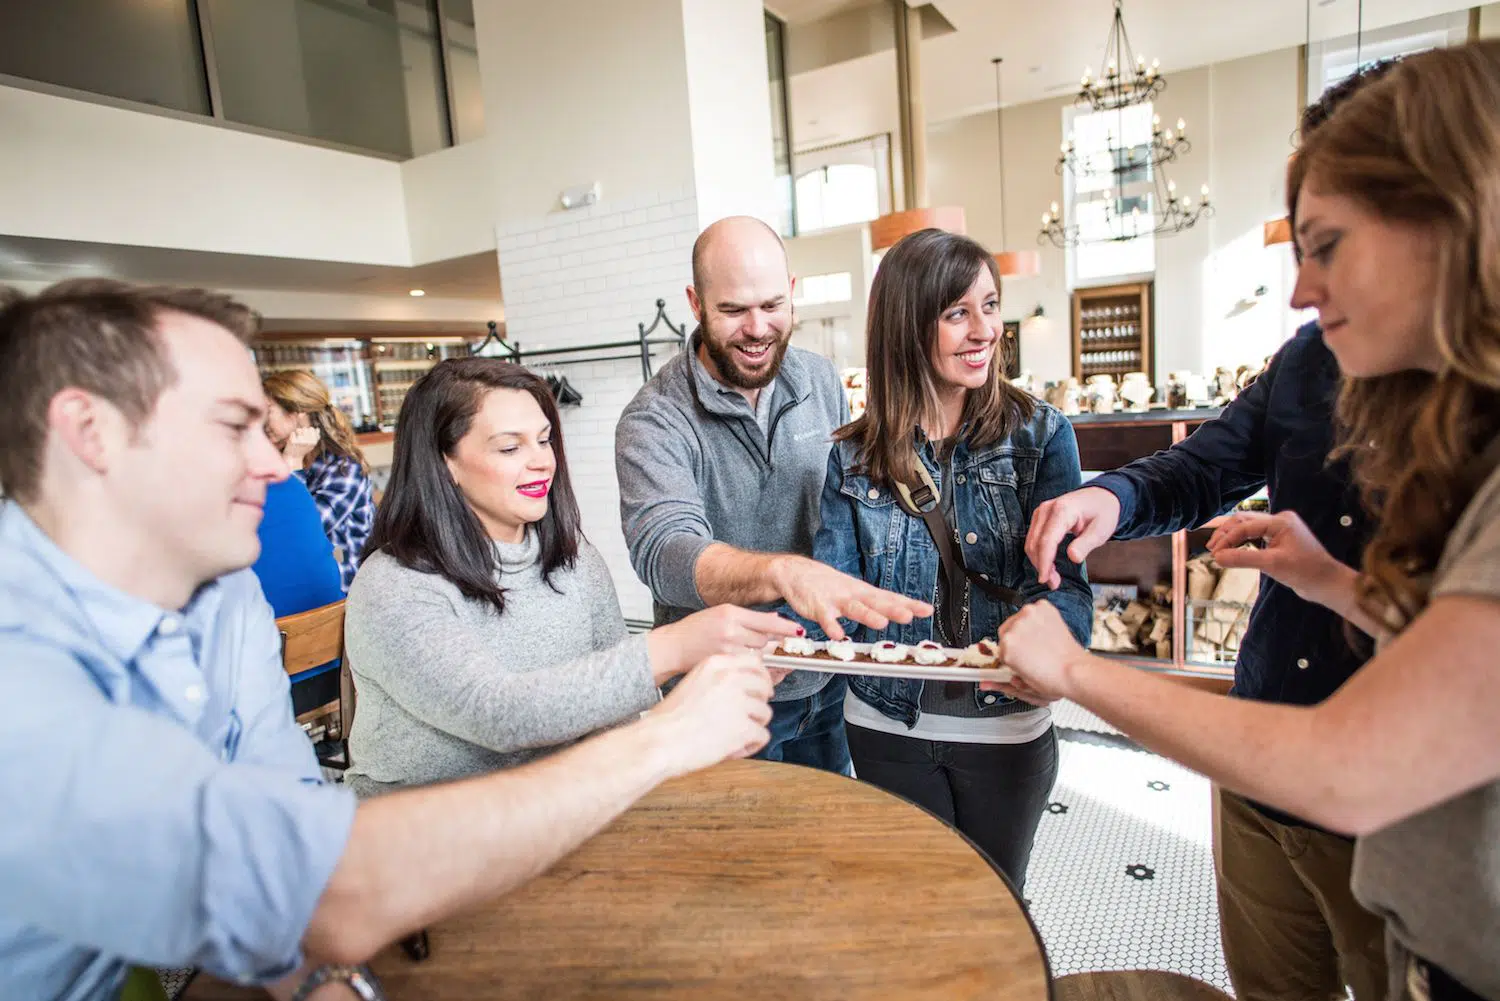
1011, 263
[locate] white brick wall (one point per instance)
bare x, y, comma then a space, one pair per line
592, 275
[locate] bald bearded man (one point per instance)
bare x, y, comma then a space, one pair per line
721, 460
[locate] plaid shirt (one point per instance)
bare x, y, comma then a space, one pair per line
347, 505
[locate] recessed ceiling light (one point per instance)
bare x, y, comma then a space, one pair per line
418, 292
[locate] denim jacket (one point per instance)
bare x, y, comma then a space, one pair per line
865, 534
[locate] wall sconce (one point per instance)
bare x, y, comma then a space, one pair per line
1035, 323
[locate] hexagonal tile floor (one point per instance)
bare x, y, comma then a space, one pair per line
1122, 874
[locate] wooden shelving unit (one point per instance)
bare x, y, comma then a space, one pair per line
1112, 331
1108, 442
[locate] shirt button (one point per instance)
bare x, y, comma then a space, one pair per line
971, 538
1302, 663
168, 626
872, 493
1346, 521
193, 693
989, 700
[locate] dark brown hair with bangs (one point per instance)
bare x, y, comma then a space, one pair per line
919, 278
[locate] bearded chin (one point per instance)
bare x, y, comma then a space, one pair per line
730, 371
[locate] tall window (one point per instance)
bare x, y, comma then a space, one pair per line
397, 77
843, 184
1104, 212
1333, 59
781, 129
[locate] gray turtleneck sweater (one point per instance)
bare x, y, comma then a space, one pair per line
449, 688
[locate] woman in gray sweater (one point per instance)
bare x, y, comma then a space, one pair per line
483, 630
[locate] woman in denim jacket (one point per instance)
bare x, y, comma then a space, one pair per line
983, 762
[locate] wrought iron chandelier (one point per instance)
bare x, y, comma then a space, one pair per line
1126, 79
1127, 163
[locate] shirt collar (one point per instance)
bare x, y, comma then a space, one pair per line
722, 399
122, 622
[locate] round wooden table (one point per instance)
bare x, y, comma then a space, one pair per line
750, 880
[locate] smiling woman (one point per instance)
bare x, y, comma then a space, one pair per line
483, 629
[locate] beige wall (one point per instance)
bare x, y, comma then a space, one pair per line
618, 70
844, 248
963, 169
729, 102
1240, 117
1489, 21
86, 171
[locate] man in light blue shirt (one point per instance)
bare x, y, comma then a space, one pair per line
158, 804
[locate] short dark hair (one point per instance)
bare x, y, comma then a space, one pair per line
98, 335
1318, 112
424, 521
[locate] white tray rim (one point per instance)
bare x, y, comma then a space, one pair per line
873, 669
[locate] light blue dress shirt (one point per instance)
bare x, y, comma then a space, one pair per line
159, 805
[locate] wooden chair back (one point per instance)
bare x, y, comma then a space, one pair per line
312, 638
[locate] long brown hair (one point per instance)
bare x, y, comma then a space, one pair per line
920, 277
300, 392
1421, 146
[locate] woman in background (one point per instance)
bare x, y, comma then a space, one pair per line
317, 441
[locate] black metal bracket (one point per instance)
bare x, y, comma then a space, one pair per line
644, 342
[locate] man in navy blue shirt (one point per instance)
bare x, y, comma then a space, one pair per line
1291, 927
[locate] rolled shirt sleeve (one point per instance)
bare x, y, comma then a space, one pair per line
131, 837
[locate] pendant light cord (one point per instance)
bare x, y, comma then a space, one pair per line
1000, 132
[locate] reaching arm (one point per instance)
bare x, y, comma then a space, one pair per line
1059, 474
1219, 465
1414, 727
401, 871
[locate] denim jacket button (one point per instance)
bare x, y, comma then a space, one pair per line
1346, 521
872, 493
962, 478
971, 538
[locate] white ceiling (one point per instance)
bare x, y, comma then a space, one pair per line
33, 259
1047, 46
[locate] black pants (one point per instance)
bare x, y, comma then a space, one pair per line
993, 793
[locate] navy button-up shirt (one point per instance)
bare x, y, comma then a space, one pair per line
159, 806
1276, 434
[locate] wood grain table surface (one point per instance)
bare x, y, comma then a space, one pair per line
750, 880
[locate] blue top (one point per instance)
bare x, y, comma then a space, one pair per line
1276, 434
346, 502
995, 490
296, 568
161, 806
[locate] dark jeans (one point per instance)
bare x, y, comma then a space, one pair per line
810, 731
993, 793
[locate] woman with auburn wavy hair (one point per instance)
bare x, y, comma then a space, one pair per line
317, 441
1395, 203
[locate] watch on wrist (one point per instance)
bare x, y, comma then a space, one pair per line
359, 979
